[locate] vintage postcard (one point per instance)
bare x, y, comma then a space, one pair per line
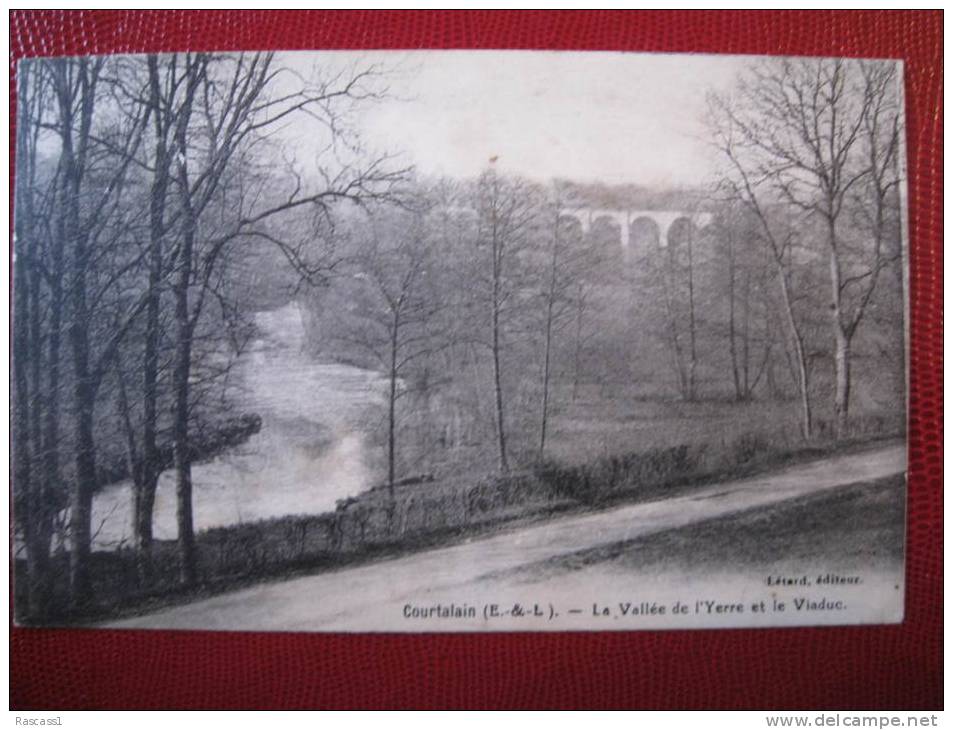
458, 341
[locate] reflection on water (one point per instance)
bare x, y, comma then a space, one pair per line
309, 453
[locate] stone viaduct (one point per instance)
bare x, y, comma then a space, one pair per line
663, 220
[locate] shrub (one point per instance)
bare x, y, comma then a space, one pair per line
749, 447
567, 482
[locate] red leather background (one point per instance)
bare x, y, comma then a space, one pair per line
869, 667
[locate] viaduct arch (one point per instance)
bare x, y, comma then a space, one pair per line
664, 219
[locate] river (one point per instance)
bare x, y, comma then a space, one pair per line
311, 450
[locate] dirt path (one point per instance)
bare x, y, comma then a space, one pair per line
379, 596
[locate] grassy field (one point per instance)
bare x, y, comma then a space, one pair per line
602, 422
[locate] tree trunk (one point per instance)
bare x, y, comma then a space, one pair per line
181, 457
669, 279
546, 367
498, 391
842, 382
497, 246
182, 357
391, 410
34, 510
51, 401
81, 497
577, 348
692, 352
44, 507
732, 347
135, 467
841, 339
807, 425
146, 492
28, 489
181, 371
746, 340
549, 339
84, 392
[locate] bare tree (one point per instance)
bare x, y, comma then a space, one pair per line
744, 275
745, 184
673, 277
817, 131
163, 85
569, 268
392, 309
90, 191
227, 108
505, 210
580, 308
35, 472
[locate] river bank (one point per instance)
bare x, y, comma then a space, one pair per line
308, 453
841, 513
370, 528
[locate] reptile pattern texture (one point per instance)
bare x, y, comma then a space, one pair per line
869, 667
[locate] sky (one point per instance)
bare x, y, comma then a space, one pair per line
584, 116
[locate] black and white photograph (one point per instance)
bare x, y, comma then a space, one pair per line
454, 341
